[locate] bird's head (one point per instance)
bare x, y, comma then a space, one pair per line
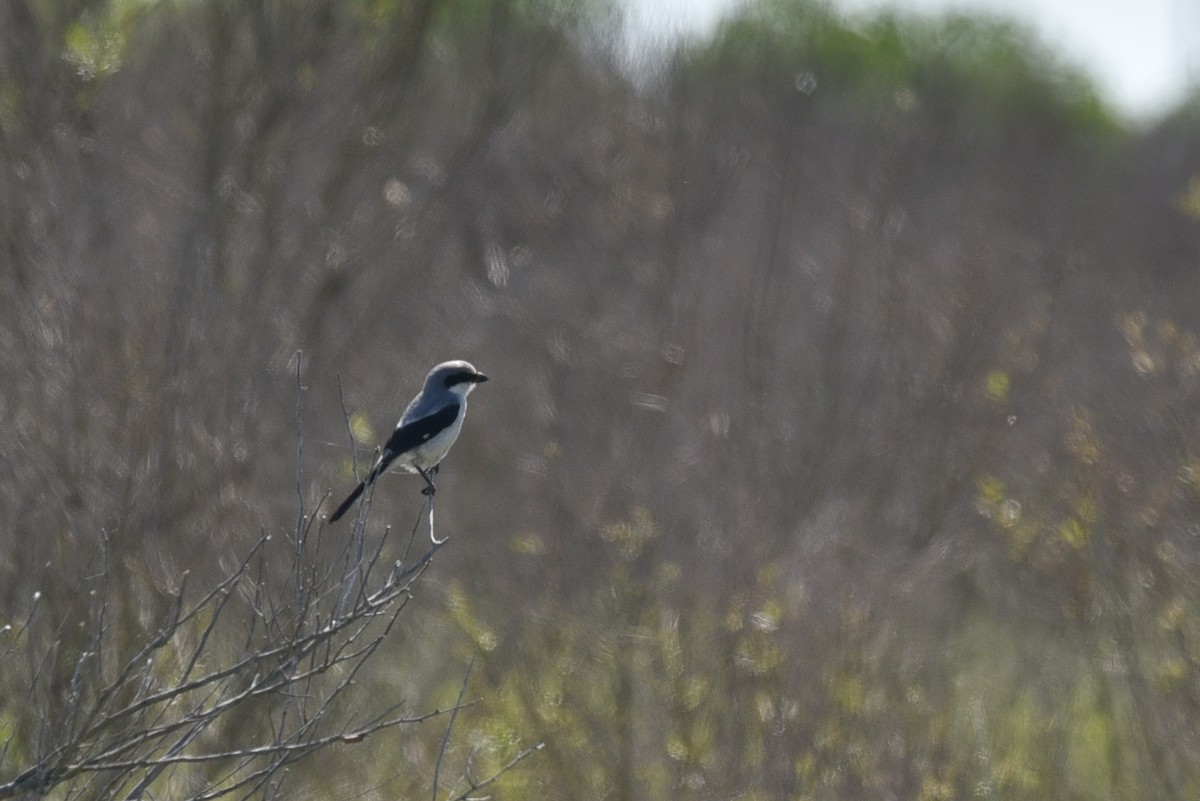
458, 377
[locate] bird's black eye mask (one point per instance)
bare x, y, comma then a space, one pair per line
463, 377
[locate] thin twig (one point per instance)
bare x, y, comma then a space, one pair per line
475, 786
437, 767
299, 357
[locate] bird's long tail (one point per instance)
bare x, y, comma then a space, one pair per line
346, 504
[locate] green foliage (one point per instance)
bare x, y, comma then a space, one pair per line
701, 699
95, 43
685, 697
987, 66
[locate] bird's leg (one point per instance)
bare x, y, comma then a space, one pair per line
430, 489
428, 493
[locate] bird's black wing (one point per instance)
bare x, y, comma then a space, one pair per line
411, 435
403, 439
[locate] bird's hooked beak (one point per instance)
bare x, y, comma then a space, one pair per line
479, 378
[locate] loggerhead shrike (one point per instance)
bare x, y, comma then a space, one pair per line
427, 428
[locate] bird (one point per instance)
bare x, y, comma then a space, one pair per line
426, 430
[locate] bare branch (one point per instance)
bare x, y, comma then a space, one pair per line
437, 768
476, 786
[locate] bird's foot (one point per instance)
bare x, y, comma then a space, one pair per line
430, 489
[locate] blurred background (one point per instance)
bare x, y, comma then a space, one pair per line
842, 440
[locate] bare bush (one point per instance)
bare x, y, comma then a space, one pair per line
240, 679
